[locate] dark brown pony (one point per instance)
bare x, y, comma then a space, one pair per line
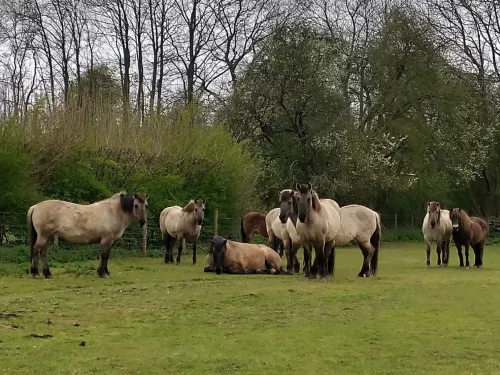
469, 231
251, 224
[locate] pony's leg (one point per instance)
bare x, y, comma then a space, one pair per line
272, 242
438, 251
307, 260
367, 251
331, 261
35, 251
289, 256
446, 252
169, 243
318, 267
467, 264
102, 271
296, 263
179, 249
327, 249
281, 247
46, 270
481, 252
460, 255
428, 252
194, 252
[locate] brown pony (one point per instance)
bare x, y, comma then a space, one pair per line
251, 224
101, 222
227, 256
179, 224
469, 231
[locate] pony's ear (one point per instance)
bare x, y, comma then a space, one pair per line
459, 210
224, 242
428, 204
135, 196
309, 186
147, 196
297, 186
437, 204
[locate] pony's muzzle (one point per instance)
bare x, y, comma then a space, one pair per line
142, 222
433, 224
282, 219
302, 218
200, 221
455, 226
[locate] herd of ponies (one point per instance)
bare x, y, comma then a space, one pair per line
301, 220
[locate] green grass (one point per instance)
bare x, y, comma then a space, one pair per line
152, 318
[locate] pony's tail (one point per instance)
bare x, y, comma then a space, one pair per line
375, 240
244, 237
32, 234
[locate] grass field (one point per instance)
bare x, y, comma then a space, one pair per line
152, 318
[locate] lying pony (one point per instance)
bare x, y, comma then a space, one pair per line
241, 258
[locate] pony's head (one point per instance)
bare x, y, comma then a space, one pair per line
304, 200
137, 205
218, 249
434, 211
197, 207
286, 198
456, 217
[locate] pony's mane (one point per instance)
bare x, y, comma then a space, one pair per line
465, 218
286, 192
315, 201
190, 206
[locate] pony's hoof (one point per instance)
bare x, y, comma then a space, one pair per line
467, 267
49, 276
323, 279
480, 266
427, 266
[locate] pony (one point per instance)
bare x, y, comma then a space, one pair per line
275, 229
318, 225
437, 228
291, 240
361, 224
179, 224
469, 231
251, 224
101, 222
241, 258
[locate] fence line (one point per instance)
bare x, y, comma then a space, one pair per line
13, 230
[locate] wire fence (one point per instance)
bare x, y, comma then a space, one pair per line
13, 230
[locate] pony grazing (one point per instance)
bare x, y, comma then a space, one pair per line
318, 225
437, 228
241, 258
101, 222
179, 224
468, 231
251, 224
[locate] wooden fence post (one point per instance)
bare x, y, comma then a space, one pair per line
216, 223
145, 240
396, 221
